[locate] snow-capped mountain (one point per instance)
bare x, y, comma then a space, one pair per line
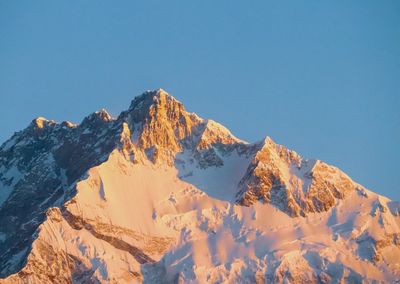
160, 195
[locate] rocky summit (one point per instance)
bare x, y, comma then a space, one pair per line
160, 195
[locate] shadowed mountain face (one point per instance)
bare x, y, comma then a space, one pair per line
160, 194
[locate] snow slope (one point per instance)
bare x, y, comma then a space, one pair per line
160, 195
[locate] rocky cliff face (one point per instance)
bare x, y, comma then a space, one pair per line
298, 186
159, 195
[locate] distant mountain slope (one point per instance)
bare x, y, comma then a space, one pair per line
161, 195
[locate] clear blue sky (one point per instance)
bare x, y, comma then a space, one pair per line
321, 77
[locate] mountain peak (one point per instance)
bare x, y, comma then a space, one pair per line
160, 195
159, 123
153, 97
103, 114
97, 118
41, 122
213, 133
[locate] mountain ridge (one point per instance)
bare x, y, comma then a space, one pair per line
194, 184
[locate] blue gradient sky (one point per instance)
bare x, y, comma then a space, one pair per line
321, 77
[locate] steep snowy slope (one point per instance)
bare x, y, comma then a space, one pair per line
160, 195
